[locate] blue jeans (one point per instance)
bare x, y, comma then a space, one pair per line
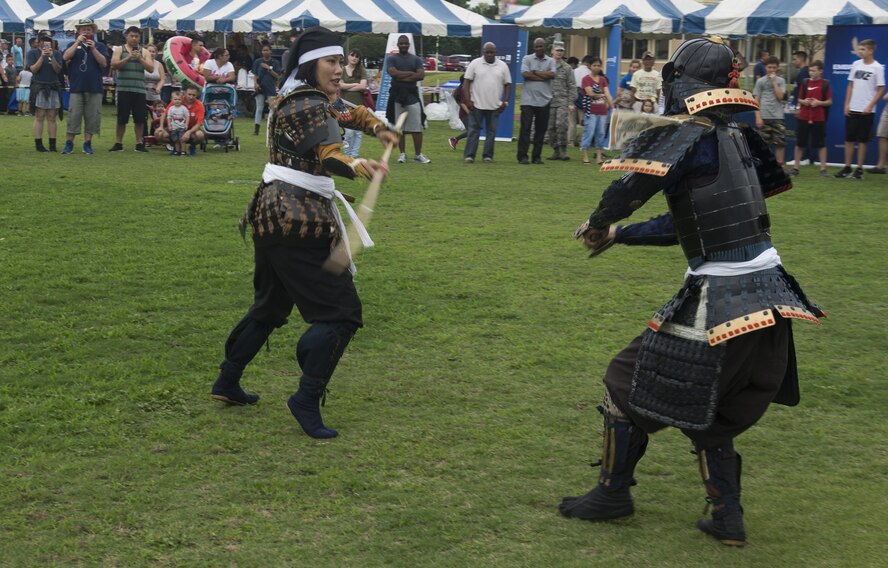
260, 106
593, 131
353, 142
476, 117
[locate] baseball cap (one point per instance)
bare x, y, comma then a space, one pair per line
558, 45
648, 55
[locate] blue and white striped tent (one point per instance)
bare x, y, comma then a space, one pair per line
636, 16
424, 17
784, 17
13, 13
107, 14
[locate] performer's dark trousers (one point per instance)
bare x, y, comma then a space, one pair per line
752, 372
538, 118
285, 276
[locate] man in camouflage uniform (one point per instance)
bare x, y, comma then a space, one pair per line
564, 91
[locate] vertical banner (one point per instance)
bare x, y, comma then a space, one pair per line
612, 65
385, 80
841, 44
510, 47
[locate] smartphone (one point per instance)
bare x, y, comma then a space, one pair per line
87, 37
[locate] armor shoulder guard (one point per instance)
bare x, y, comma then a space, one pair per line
658, 149
302, 117
772, 177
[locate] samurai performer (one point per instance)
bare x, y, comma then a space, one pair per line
294, 222
721, 350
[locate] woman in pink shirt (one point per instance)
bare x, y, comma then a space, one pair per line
596, 104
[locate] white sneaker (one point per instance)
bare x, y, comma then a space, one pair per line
421, 159
402, 159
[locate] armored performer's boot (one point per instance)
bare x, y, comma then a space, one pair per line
318, 351
243, 344
720, 468
624, 445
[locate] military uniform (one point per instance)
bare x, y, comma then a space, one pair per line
564, 92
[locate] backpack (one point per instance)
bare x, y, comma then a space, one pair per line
803, 87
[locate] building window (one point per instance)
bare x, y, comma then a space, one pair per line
593, 47
661, 49
634, 48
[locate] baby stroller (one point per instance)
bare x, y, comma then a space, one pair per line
220, 101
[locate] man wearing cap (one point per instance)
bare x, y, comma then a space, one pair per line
646, 83
538, 70
564, 92
86, 59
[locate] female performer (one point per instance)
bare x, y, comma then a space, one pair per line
294, 224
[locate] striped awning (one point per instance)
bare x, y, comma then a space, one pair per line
784, 17
422, 17
13, 13
636, 16
107, 14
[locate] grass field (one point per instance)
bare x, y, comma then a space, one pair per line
466, 407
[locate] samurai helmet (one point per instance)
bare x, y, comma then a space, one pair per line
697, 65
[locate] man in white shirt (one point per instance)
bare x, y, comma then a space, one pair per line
866, 84
646, 83
486, 92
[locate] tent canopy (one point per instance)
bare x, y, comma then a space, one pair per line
636, 16
421, 17
784, 17
13, 13
108, 14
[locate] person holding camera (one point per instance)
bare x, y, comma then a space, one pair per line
45, 64
86, 59
131, 61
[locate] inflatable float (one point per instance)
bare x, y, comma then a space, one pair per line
178, 59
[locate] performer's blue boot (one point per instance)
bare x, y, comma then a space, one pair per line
243, 344
624, 445
318, 351
305, 406
720, 468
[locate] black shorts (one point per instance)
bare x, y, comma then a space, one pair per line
815, 132
859, 127
131, 104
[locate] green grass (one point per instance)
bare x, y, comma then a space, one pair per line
466, 407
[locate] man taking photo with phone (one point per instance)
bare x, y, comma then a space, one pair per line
131, 61
86, 59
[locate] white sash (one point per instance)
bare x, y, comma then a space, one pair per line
768, 259
323, 186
